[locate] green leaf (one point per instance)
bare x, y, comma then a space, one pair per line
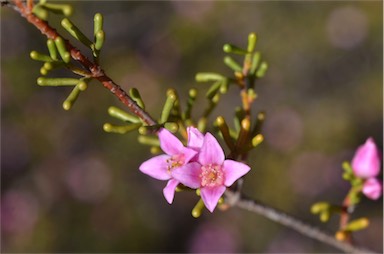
208, 76
75, 32
231, 63
229, 48
252, 38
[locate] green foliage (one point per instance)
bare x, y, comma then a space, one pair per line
59, 47
42, 9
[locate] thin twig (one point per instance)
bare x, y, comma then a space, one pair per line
96, 71
239, 200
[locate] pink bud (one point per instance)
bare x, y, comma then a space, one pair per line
366, 162
373, 188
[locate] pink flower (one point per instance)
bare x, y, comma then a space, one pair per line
212, 173
195, 141
160, 167
372, 188
195, 138
366, 161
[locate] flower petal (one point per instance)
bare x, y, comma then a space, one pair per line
373, 188
188, 154
211, 151
169, 190
195, 138
156, 167
169, 143
233, 170
366, 161
211, 196
188, 175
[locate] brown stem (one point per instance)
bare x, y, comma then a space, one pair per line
344, 217
96, 71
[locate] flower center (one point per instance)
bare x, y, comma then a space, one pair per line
175, 161
211, 175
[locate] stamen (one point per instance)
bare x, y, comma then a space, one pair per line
211, 175
175, 161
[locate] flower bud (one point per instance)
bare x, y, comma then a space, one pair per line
372, 188
366, 161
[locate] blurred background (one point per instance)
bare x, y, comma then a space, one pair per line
67, 186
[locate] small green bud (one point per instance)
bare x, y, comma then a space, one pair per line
107, 127
202, 124
71, 99
64, 9
168, 106
155, 150
220, 121
122, 115
357, 224
325, 216
192, 93
172, 127
252, 38
239, 115
52, 49
53, 65
75, 32
224, 86
98, 23
82, 85
42, 81
355, 198
251, 94
256, 57
261, 116
146, 130
134, 93
357, 182
319, 207
40, 57
259, 123
61, 47
197, 210
261, 70
121, 129
208, 76
67, 10
231, 63
48, 65
146, 140
191, 100
256, 140
43, 71
215, 99
347, 167
99, 39
213, 90
66, 57
40, 12
67, 105
229, 48
224, 130
347, 176
246, 124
